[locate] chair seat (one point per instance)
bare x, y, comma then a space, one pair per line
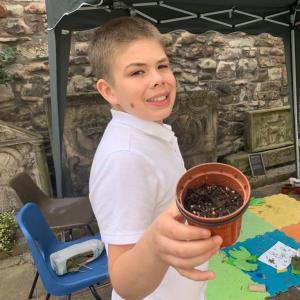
42, 243
67, 213
96, 271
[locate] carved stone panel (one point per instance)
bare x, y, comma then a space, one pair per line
268, 129
194, 120
20, 150
86, 116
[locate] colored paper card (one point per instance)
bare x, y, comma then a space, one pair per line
275, 282
278, 256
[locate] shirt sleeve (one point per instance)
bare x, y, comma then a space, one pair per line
123, 194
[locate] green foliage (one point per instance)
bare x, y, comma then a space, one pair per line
8, 227
5, 78
295, 262
248, 172
7, 56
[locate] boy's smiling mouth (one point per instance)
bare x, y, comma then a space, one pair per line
159, 100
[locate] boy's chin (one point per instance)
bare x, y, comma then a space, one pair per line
160, 117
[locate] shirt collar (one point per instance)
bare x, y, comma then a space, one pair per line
163, 131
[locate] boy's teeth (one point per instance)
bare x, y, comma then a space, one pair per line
157, 99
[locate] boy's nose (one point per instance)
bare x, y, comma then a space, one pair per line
157, 79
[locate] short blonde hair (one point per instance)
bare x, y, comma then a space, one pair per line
110, 37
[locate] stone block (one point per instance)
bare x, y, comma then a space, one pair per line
272, 158
226, 70
242, 42
6, 93
275, 73
17, 26
15, 10
207, 64
36, 8
238, 160
186, 38
268, 129
3, 11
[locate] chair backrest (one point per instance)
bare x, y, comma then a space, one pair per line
26, 189
38, 235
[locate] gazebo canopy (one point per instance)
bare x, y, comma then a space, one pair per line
278, 17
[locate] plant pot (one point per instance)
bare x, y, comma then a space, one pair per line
228, 227
286, 188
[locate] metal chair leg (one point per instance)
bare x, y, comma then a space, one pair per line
90, 229
94, 292
70, 233
48, 296
33, 285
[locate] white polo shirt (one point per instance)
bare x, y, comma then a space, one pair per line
133, 179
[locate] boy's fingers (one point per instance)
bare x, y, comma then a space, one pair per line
190, 249
173, 210
192, 261
196, 275
180, 218
178, 230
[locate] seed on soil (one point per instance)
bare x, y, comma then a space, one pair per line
212, 201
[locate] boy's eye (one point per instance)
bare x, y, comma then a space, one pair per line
163, 66
136, 73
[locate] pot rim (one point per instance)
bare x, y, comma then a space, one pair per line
218, 220
211, 222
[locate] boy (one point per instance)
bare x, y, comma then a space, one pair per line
152, 253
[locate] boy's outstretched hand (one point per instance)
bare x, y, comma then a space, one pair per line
169, 241
181, 245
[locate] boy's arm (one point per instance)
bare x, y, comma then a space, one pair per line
136, 270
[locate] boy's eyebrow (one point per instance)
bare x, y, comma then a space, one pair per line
162, 60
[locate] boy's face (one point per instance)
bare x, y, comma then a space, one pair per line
143, 83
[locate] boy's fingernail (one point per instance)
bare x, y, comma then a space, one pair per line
218, 239
206, 231
211, 276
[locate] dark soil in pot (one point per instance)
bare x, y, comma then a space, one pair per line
212, 201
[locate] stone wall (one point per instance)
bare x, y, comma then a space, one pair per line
247, 72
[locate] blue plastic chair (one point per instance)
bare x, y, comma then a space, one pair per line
42, 243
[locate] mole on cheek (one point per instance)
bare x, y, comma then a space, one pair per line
131, 105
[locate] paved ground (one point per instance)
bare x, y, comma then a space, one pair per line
17, 272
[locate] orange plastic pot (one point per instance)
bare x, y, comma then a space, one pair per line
228, 227
286, 189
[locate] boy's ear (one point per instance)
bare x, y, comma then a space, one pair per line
107, 91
